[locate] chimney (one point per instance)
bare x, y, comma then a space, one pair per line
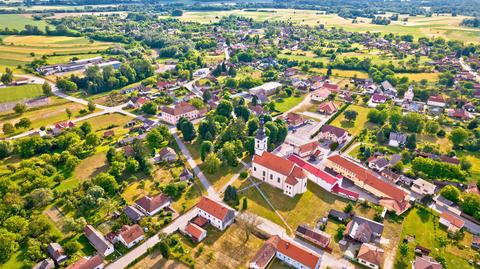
287, 245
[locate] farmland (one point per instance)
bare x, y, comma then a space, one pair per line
21, 50
11, 94
436, 26
18, 22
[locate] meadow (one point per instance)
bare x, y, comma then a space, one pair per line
15, 93
20, 50
444, 26
17, 21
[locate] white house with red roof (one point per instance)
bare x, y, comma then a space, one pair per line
333, 133
131, 235
390, 196
320, 95
218, 214
436, 100
152, 205
289, 252
452, 222
171, 114
195, 232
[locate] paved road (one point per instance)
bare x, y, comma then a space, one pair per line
137, 252
466, 67
210, 190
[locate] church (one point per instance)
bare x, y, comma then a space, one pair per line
276, 171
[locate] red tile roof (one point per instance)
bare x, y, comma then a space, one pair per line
368, 178
328, 107
452, 219
331, 86
298, 253
150, 204
436, 98
275, 163
179, 109
314, 170
338, 132
309, 147
87, 263
200, 221
131, 233
371, 254
194, 231
214, 208
266, 253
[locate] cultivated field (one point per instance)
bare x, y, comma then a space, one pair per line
435, 26
21, 50
16, 93
17, 21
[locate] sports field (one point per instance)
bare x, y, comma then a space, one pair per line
444, 26
21, 50
11, 94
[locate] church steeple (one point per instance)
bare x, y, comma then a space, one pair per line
261, 139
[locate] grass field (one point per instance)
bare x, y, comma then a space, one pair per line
436, 26
424, 227
16, 21
474, 159
354, 128
45, 115
285, 104
16, 93
115, 122
18, 50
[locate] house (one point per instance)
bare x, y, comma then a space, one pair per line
314, 236
388, 89
64, 125
379, 164
171, 114
476, 242
390, 175
218, 214
436, 101
391, 196
459, 113
98, 241
130, 235
152, 205
195, 232
268, 88
163, 85
289, 252
426, 262
308, 149
56, 252
295, 120
185, 174
370, 256
363, 230
469, 107
133, 213
45, 264
327, 108
257, 110
339, 215
320, 95
166, 154
109, 133
333, 134
378, 99
423, 187
95, 262
397, 139
331, 86
280, 173
291, 72
452, 222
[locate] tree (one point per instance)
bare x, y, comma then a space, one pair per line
404, 250
244, 203
107, 182
6, 149
91, 106
8, 244
8, 128
451, 193
348, 208
205, 149
40, 197
212, 163
350, 115
16, 224
465, 164
66, 85
71, 247
149, 108
248, 222
164, 249
252, 126
69, 112
471, 204
7, 77
458, 136
413, 122
228, 154
225, 108
177, 13
187, 129
23, 123
154, 139
86, 127
92, 140
340, 230
19, 108
411, 142
132, 165
47, 89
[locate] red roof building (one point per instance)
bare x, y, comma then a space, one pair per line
131, 235
95, 262
218, 214
327, 108
391, 196
195, 232
152, 205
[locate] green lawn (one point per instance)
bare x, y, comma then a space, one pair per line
16, 21
424, 227
17, 93
285, 104
354, 128
474, 158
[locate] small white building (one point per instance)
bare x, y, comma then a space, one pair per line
436, 101
218, 214
333, 134
370, 256
131, 235
269, 88
423, 187
171, 114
